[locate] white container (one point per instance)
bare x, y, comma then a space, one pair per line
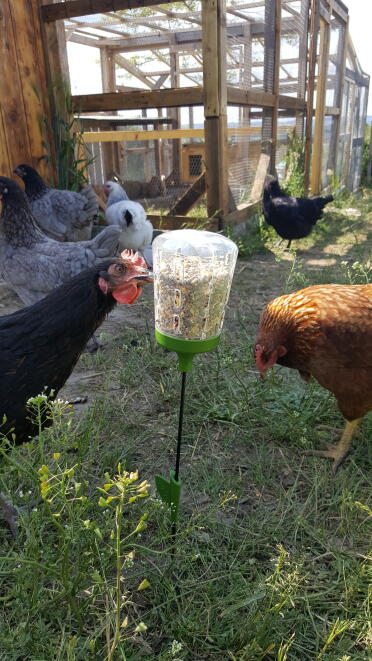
193, 271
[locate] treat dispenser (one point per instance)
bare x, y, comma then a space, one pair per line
193, 271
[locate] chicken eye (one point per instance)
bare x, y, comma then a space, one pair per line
120, 268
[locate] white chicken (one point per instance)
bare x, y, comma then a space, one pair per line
130, 216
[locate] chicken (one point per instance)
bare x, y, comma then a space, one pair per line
324, 331
137, 231
33, 264
63, 215
291, 217
41, 344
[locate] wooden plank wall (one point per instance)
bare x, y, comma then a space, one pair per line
23, 96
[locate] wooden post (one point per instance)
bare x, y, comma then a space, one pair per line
57, 62
110, 155
302, 65
274, 126
341, 61
349, 133
317, 159
215, 105
108, 69
271, 77
175, 113
314, 26
369, 164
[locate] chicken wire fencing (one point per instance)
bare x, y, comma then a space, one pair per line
160, 48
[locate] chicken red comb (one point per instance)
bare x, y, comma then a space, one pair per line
131, 258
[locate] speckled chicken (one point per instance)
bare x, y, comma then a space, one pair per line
64, 215
324, 331
31, 263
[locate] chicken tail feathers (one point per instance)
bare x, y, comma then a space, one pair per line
322, 201
91, 205
106, 243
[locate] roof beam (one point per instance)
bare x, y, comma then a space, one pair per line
134, 71
71, 8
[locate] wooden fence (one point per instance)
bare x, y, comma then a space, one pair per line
24, 101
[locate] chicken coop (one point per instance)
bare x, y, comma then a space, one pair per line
190, 103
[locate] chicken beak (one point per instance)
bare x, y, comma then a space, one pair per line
139, 276
144, 279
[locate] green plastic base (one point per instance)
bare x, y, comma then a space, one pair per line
186, 349
170, 493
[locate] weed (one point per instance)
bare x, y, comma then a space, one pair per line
71, 153
295, 166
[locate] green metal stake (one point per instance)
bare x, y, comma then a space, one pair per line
170, 490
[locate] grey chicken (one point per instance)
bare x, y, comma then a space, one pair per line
31, 263
63, 215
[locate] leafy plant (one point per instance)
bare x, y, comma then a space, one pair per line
295, 166
72, 157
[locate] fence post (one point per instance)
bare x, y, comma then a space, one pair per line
215, 105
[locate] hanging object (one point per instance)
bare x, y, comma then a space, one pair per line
193, 271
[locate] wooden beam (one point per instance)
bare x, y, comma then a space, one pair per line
215, 105
176, 222
274, 119
175, 112
33, 80
71, 8
317, 160
91, 137
243, 212
110, 152
13, 110
313, 41
302, 65
134, 71
108, 69
168, 98
340, 64
190, 197
6, 165
256, 98
259, 180
240, 97
349, 133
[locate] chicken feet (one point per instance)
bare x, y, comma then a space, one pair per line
340, 451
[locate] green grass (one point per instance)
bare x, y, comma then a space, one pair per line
272, 554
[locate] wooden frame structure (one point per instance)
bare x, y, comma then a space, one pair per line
239, 61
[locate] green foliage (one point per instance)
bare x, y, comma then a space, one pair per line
295, 166
72, 156
272, 555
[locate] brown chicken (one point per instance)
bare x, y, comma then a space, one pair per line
324, 331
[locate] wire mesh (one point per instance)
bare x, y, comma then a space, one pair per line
160, 47
244, 149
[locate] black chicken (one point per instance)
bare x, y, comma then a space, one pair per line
291, 217
41, 344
